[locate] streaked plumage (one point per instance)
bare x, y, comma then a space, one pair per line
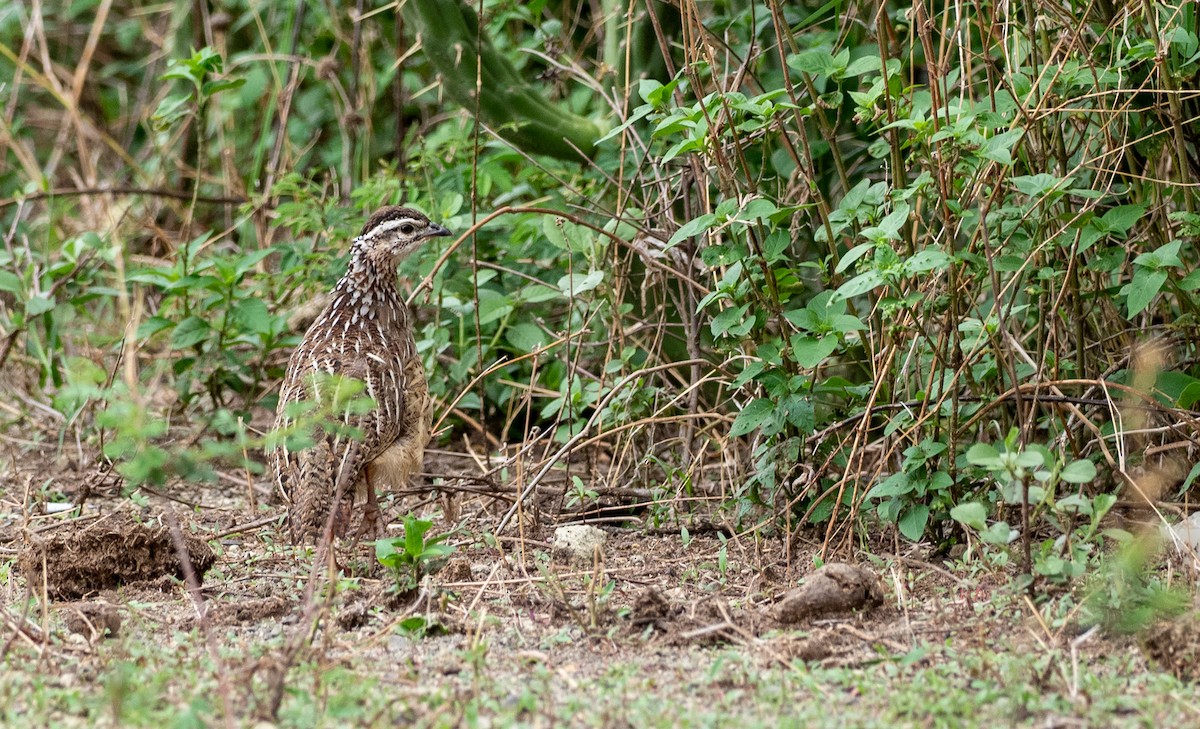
364, 334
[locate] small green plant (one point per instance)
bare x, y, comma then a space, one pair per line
1124, 597
1029, 478
909, 496
579, 494
412, 556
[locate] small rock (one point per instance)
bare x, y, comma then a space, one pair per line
836, 588
579, 544
1185, 535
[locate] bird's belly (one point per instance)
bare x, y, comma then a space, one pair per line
391, 469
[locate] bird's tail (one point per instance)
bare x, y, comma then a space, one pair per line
318, 489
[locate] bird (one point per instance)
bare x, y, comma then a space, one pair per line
364, 334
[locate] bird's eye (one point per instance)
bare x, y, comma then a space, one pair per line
406, 229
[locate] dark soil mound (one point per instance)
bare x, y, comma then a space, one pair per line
112, 551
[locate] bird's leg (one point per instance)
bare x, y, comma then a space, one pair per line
372, 519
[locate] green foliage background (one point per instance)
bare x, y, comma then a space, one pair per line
798, 256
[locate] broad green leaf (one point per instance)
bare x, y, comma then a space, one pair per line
752, 416
815, 62
982, 454
853, 255
10, 282
860, 284
898, 484
912, 522
525, 336
252, 315
926, 260
999, 534
1166, 256
757, 209
730, 321
810, 351
894, 221
189, 332
692, 227
970, 514
1039, 185
859, 66
1142, 289
1080, 471
999, 148
775, 245
39, 304
493, 306
1121, 218
574, 284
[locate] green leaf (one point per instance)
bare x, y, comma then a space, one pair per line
252, 316
39, 304
859, 66
912, 522
212, 87
152, 326
251, 259
999, 534
999, 148
525, 336
775, 245
1166, 256
1080, 471
752, 416
853, 255
1121, 218
970, 514
1142, 289
171, 109
894, 221
898, 484
926, 260
810, 351
692, 227
189, 332
816, 62
731, 321
1041, 184
859, 285
10, 282
982, 454
493, 306
574, 284
757, 209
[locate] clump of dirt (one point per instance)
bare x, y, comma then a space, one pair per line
115, 550
835, 589
652, 607
1175, 646
252, 611
92, 620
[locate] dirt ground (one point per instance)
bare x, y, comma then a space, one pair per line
687, 621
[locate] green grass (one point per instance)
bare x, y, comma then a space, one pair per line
935, 685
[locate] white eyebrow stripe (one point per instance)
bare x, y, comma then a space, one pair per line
387, 226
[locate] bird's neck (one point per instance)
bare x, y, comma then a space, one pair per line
369, 292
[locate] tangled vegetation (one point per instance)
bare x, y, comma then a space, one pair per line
841, 269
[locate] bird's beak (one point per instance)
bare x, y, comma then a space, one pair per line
435, 231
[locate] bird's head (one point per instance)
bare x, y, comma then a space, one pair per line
393, 232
